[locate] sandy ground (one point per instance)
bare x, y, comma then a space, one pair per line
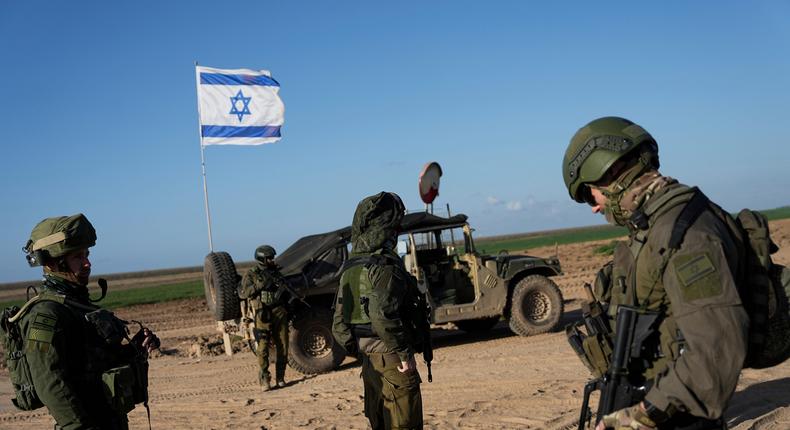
494, 380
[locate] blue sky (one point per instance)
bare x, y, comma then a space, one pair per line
98, 111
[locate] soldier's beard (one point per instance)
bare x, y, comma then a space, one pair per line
81, 278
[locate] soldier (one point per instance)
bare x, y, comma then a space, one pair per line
72, 347
700, 342
375, 318
264, 288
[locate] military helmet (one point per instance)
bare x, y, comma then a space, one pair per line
57, 236
263, 252
598, 145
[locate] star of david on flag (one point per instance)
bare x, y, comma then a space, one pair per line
238, 106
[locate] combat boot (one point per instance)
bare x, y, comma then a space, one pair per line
265, 381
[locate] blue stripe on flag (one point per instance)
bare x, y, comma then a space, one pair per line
230, 131
221, 79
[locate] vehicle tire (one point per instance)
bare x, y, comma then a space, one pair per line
311, 346
478, 325
536, 306
219, 283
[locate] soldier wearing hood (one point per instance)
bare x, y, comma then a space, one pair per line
374, 318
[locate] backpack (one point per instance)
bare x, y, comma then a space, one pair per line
25, 397
763, 286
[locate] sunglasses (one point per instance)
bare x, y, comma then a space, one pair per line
587, 194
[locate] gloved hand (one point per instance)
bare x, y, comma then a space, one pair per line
630, 418
150, 340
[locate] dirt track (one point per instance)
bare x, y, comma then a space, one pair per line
491, 381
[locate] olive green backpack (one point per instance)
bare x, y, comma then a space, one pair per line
764, 291
25, 397
764, 286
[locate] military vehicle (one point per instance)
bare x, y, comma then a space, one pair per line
464, 287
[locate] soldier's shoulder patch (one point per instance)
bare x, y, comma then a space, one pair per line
42, 327
697, 275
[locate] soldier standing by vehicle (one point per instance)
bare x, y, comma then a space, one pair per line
686, 276
266, 292
376, 316
78, 366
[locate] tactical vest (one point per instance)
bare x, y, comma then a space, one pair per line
645, 290
356, 287
123, 386
267, 282
762, 285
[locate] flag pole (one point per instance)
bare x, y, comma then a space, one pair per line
203, 160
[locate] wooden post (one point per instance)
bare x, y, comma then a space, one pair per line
225, 337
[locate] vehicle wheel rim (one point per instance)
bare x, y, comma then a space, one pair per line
537, 307
316, 344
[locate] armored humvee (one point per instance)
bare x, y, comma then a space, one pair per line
471, 290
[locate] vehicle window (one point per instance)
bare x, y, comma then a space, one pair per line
428, 240
453, 237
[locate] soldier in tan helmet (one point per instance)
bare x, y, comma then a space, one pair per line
70, 355
697, 349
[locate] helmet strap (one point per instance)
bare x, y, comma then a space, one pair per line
63, 273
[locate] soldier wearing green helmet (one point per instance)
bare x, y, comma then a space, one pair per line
376, 317
263, 287
687, 275
76, 358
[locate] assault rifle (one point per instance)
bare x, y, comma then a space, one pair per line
424, 327
634, 329
282, 288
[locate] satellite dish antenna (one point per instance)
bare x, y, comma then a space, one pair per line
429, 182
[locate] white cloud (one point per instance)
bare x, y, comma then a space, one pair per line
514, 205
493, 201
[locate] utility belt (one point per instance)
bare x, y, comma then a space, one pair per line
383, 358
363, 331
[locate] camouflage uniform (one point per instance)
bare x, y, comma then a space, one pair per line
700, 344
67, 357
704, 330
260, 287
373, 317
80, 368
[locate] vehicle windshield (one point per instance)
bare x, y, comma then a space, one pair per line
452, 240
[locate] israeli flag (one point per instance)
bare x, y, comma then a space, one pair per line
238, 106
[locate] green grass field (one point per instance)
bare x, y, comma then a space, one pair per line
513, 243
778, 213
139, 296
583, 234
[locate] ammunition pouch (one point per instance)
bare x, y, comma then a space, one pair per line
126, 386
594, 351
593, 344
109, 327
363, 331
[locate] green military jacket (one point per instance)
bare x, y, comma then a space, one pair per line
260, 286
388, 292
703, 333
67, 357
